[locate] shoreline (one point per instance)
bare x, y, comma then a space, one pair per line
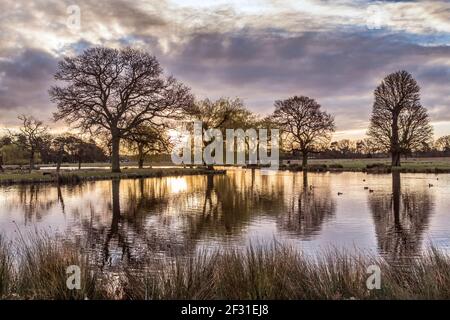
73, 176
378, 170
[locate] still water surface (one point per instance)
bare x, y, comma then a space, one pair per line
395, 216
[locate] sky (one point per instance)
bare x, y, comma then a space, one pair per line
336, 52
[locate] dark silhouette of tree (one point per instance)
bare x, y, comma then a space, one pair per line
443, 144
59, 143
79, 151
31, 137
345, 147
399, 123
115, 91
221, 114
67, 147
145, 140
303, 121
4, 141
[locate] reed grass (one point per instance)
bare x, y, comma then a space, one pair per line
6, 269
281, 272
36, 269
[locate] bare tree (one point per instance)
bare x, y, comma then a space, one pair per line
399, 123
59, 143
369, 147
72, 146
443, 143
30, 137
345, 146
145, 140
1, 162
224, 113
303, 121
116, 91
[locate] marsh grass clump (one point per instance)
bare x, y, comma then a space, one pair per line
427, 277
42, 270
281, 272
6, 269
185, 278
274, 272
35, 268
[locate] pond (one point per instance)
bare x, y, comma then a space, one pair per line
392, 215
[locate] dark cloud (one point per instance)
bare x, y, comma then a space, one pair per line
25, 80
340, 70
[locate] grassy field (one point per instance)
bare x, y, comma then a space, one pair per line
35, 268
38, 176
377, 165
410, 163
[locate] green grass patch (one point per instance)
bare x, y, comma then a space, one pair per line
410, 164
38, 176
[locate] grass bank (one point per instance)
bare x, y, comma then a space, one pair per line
382, 165
271, 272
42, 176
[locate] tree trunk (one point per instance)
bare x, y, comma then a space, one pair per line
304, 159
115, 160
395, 148
58, 164
79, 163
140, 158
31, 161
396, 159
1, 163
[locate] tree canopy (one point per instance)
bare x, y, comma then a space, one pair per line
399, 123
116, 91
304, 123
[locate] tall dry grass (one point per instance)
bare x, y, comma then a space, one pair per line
36, 269
280, 272
6, 269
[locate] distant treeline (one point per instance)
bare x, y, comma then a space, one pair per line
14, 152
364, 148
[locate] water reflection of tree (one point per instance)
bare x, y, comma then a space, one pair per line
149, 216
231, 201
128, 236
309, 207
400, 219
34, 200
